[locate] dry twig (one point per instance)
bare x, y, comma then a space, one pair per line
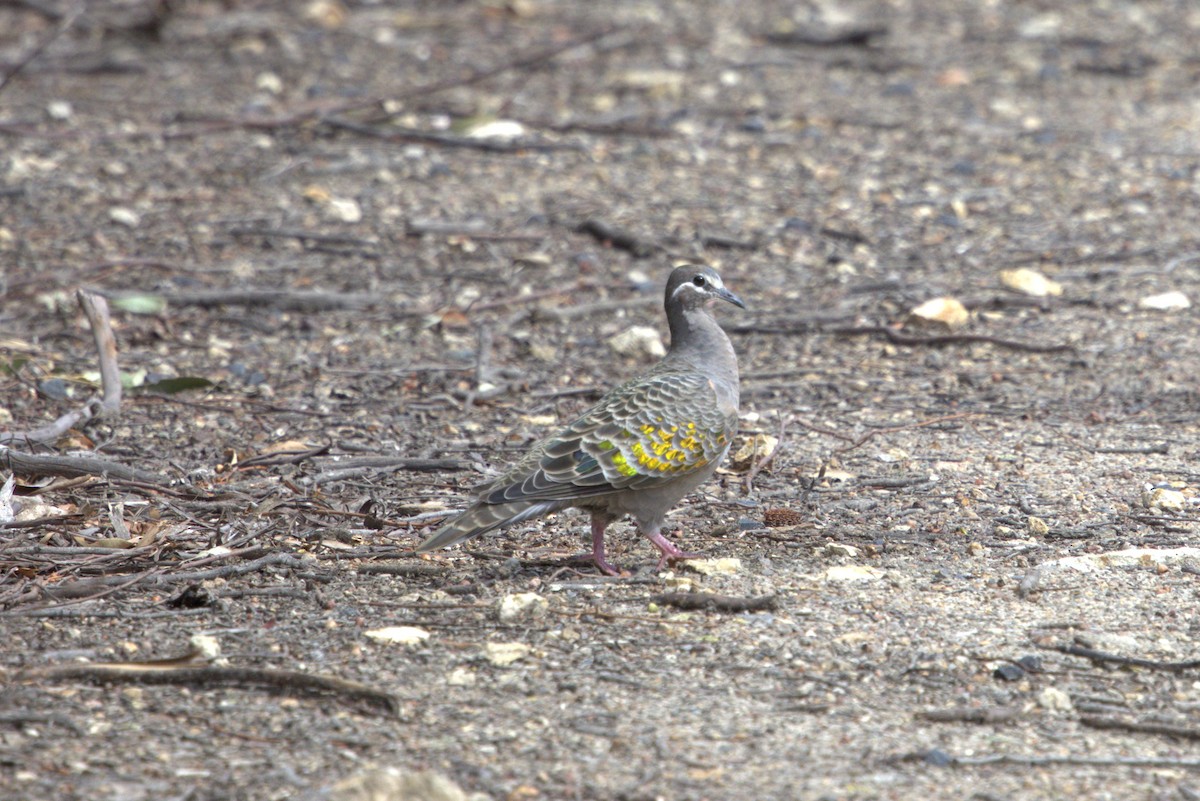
62, 27
1074, 649
286, 681
1140, 726
109, 403
909, 340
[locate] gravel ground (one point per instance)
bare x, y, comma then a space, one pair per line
958, 584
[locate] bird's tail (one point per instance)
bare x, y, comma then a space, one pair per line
482, 518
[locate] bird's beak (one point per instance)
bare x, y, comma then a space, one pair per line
725, 294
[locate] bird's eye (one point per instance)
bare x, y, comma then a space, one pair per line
699, 280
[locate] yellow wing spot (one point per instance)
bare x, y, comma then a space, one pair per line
666, 434
647, 429
623, 467
606, 446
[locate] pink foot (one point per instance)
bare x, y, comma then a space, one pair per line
601, 564
668, 550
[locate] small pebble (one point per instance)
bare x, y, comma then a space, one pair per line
1009, 672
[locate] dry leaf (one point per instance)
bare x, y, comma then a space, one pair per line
1030, 282
400, 635
948, 312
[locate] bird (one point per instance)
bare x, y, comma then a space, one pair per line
641, 448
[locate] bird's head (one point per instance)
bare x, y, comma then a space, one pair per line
692, 286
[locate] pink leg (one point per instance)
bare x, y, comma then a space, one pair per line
670, 552
598, 526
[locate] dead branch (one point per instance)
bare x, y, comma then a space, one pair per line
371, 465
28, 464
91, 589
852, 36
284, 300
66, 721
984, 715
282, 457
909, 340
610, 235
285, 681
62, 27
943, 758
717, 603
1140, 726
96, 310
304, 236
726, 242
1074, 649
524, 62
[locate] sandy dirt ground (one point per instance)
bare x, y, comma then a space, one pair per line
360, 255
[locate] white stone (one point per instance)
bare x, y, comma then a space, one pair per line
399, 635
503, 654
1055, 700
1167, 301
638, 341
521, 606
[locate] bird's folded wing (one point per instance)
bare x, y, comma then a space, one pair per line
647, 433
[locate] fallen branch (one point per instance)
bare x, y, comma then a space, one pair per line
854, 36
1130, 661
109, 403
612, 236
1141, 727
716, 603
942, 758
303, 236
28, 464
285, 681
284, 300
65, 23
909, 340
91, 589
985, 715
95, 308
371, 465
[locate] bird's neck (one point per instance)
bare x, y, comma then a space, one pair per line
697, 341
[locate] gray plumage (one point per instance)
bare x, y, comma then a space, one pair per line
643, 447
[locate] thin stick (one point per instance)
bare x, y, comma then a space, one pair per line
63, 26
69, 466
288, 681
95, 308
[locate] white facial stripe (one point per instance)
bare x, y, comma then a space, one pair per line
712, 281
